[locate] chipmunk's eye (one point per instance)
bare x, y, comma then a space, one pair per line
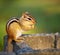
29, 18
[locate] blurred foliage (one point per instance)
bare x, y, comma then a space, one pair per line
46, 13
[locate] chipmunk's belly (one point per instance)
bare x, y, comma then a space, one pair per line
18, 34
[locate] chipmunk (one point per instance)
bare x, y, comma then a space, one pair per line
15, 27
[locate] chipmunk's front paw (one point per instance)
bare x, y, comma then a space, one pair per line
21, 38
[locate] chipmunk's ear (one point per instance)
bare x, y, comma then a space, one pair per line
24, 15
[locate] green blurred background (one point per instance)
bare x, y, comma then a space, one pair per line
46, 13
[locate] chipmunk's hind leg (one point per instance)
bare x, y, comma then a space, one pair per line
9, 45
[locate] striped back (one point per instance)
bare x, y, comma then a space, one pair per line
13, 19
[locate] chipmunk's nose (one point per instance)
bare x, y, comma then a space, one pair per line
34, 21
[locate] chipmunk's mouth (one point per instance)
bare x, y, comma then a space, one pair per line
32, 26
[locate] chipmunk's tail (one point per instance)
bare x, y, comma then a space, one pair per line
9, 47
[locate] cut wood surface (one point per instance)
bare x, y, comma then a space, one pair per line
45, 44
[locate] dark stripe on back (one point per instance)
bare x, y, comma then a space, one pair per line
13, 19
